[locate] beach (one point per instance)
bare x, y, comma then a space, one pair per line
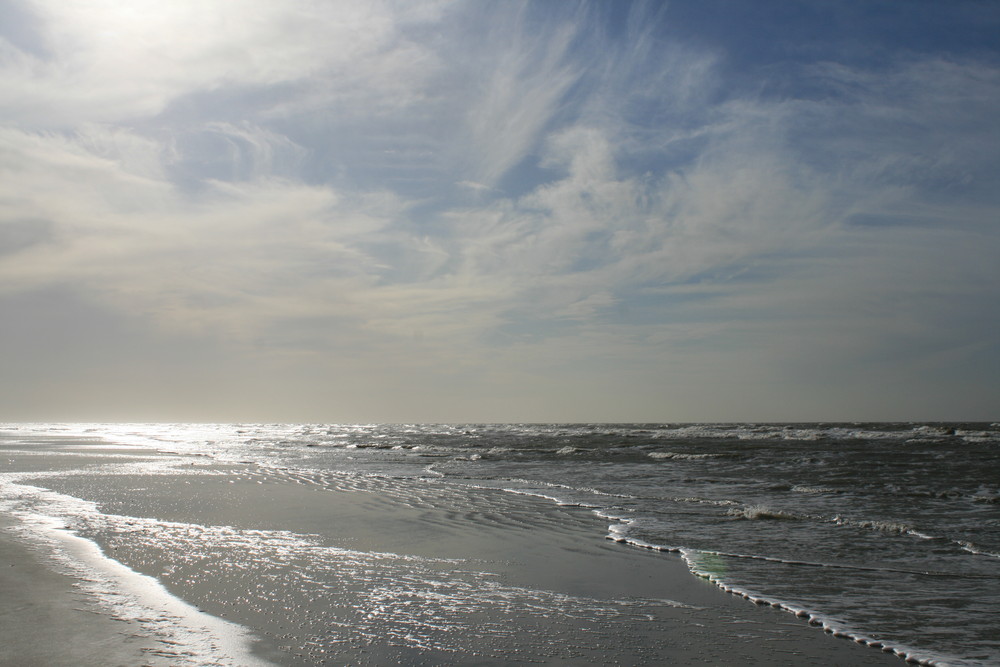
297, 567
46, 620
445, 332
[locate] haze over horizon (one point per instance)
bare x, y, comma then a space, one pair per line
460, 211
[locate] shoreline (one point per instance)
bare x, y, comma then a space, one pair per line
47, 620
615, 601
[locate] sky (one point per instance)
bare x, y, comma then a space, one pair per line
467, 211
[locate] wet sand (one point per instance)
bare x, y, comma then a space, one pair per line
323, 569
46, 621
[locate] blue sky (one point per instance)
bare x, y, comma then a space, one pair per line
499, 211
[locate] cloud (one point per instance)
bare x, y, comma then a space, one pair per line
233, 152
521, 93
499, 196
105, 62
228, 258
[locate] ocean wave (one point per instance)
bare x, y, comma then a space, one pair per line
979, 551
880, 526
701, 563
680, 456
813, 489
761, 512
986, 495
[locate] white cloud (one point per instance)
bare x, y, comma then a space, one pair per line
111, 61
232, 257
234, 152
520, 92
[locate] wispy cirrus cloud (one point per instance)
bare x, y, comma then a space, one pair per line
523, 87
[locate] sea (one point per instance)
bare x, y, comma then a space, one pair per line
884, 533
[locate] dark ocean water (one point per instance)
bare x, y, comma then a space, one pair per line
887, 533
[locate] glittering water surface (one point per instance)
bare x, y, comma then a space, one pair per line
886, 533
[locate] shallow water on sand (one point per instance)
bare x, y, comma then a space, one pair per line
418, 543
